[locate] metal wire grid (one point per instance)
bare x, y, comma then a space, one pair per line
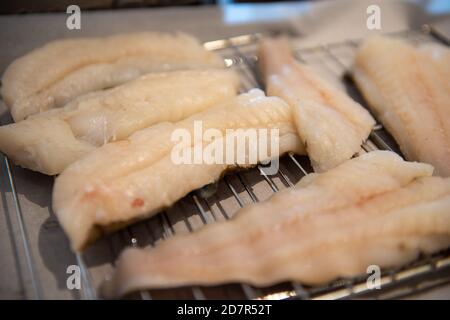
239, 53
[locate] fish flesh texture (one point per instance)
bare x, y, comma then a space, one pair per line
331, 125
49, 141
408, 89
52, 75
135, 178
375, 209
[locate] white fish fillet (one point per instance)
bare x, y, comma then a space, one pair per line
373, 209
48, 142
331, 125
52, 75
135, 178
409, 90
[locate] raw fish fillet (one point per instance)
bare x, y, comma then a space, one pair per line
409, 91
52, 75
375, 209
48, 142
135, 178
331, 125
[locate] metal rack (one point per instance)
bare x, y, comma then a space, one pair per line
207, 205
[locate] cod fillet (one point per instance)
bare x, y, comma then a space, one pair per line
409, 91
52, 75
135, 178
375, 209
48, 142
331, 125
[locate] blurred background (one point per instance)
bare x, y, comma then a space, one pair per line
30, 6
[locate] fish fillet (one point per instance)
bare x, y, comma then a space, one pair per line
48, 142
409, 90
52, 75
135, 178
375, 209
331, 125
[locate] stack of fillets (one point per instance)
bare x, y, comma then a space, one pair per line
104, 120
113, 148
72, 96
52, 75
375, 209
50, 141
142, 178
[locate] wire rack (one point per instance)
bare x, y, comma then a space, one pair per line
220, 201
